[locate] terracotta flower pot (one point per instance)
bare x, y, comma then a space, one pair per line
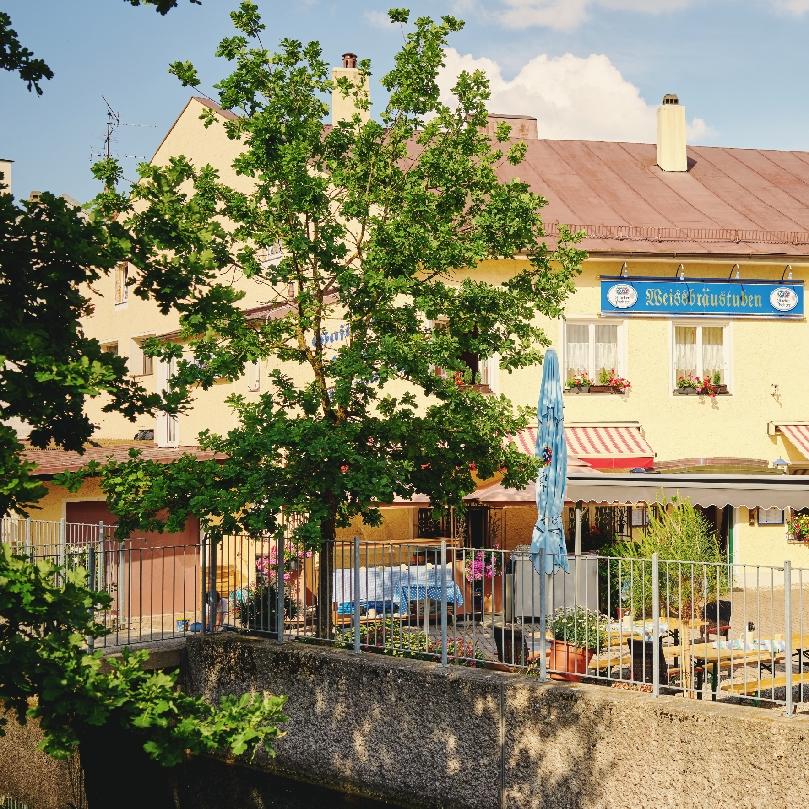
493, 595
567, 662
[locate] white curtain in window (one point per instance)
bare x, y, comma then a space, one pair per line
713, 352
606, 338
685, 350
577, 347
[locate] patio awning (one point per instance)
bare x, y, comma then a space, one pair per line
526, 441
610, 446
798, 435
752, 491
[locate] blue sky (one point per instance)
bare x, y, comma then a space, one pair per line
586, 68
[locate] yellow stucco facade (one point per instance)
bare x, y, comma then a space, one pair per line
763, 360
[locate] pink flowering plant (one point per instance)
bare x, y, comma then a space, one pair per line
267, 566
578, 379
608, 376
484, 565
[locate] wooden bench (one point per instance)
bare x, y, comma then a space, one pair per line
755, 686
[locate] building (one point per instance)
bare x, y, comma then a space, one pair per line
694, 281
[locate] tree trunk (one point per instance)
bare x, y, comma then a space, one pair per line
117, 771
325, 584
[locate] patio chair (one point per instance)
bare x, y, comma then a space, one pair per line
642, 666
716, 615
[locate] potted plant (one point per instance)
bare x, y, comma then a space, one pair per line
718, 385
578, 382
687, 385
483, 571
577, 634
798, 528
610, 382
471, 379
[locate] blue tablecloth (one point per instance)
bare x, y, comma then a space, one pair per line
389, 588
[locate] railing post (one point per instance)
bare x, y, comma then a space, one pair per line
543, 617
203, 556
121, 582
788, 633
355, 586
444, 660
279, 589
91, 575
656, 624
27, 539
213, 601
62, 546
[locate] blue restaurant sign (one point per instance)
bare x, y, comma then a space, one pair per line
701, 296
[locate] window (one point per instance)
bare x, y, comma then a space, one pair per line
770, 516
110, 348
589, 347
121, 279
478, 370
701, 351
145, 363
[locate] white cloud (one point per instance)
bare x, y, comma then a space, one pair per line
377, 19
571, 96
566, 14
796, 7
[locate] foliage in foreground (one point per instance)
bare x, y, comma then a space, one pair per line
376, 302
46, 616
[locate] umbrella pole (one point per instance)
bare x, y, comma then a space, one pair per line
577, 546
543, 614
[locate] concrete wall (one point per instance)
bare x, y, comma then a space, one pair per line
468, 738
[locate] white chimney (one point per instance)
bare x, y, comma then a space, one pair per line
671, 151
343, 107
5, 175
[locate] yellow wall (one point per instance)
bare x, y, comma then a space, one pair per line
767, 545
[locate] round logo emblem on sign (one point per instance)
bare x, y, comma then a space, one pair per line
622, 296
783, 299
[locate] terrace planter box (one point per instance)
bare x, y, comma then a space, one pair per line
604, 389
477, 387
580, 389
685, 391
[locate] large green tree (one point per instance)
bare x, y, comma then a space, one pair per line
383, 224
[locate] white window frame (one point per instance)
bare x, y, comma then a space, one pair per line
591, 323
121, 287
727, 344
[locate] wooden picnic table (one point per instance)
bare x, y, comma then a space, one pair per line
712, 657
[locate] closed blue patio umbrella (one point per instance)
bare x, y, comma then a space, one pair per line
548, 551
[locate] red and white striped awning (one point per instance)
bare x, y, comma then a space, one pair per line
798, 434
598, 446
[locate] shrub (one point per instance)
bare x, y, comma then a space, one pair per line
580, 627
691, 572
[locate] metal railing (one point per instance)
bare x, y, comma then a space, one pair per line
719, 631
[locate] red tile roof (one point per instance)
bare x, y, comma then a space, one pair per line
730, 201
735, 202
53, 461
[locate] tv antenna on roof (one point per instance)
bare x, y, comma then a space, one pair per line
113, 123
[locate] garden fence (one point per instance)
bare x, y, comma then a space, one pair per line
721, 631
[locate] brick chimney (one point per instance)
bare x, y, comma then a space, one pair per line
671, 145
523, 127
342, 106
